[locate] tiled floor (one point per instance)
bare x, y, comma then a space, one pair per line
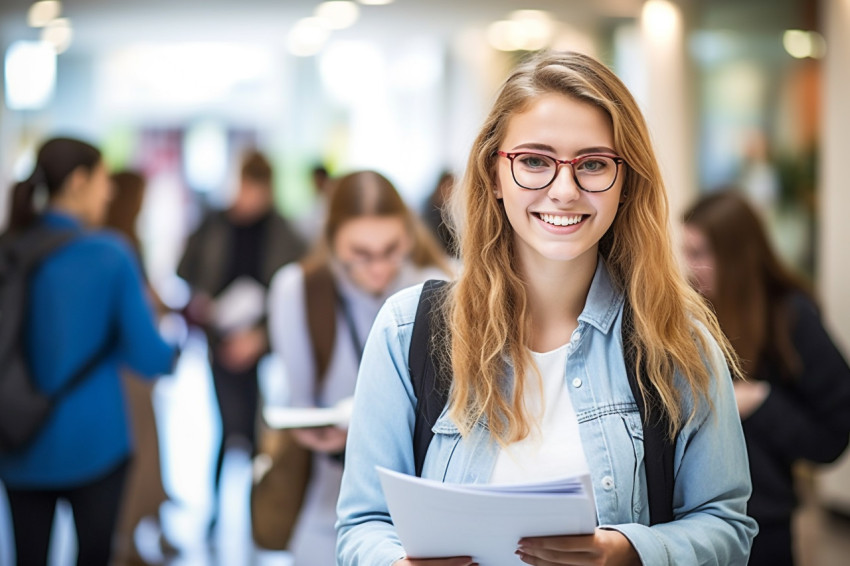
184, 405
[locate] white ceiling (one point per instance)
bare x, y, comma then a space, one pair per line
99, 24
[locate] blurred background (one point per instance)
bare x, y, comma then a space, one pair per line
751, 93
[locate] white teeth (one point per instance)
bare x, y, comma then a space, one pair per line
561, 220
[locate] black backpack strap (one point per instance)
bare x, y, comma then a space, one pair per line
658, 447
431, 398
29, 249
85, 371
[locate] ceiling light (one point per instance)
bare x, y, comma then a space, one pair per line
801, 44
505, 35
337, 14
375, 2
30, 75
536, 28
660, 17
40, 13
307, 37
58, 33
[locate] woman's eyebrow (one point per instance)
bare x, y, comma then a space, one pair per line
550, 149
537, 146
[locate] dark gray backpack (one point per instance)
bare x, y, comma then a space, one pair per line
23, 407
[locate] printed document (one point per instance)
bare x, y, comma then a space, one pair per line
240, 306
485, 521
307, 417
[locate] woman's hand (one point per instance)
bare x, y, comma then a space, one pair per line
455, 561
750, 395
243, 349
604, 547
327, 439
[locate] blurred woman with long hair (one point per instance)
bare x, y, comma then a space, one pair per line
372, 246
794, 401
86, 305
144, 493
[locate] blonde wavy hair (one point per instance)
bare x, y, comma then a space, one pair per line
484, 305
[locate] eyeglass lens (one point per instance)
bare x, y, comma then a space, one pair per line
593, 173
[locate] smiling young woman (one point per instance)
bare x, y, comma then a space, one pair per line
552, 258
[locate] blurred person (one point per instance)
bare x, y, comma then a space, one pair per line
565, 244
795, 401
435, 212
228, 263
86, 297
759, 178
373, 245
144, 493
309, 223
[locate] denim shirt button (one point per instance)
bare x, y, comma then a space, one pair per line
577, 382
608, 483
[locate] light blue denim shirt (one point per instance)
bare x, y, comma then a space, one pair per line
710, 464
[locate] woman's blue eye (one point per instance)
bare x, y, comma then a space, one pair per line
593, 165
534, 161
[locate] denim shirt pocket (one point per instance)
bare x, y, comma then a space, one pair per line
457, 459
634, 429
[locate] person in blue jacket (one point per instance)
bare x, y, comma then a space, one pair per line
565, 220
85, 295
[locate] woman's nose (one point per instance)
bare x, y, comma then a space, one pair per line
564, 188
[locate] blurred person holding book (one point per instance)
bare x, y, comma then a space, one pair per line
228, 263
320, 312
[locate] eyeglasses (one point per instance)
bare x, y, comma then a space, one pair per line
393, 257
593, 173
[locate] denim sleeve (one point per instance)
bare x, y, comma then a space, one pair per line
140, 345
381, 433
712, 486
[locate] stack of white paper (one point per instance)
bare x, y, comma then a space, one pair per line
436, 519
306, 417
240, 306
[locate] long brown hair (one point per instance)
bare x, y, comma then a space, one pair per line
126, 204
487, 309
368, 193
56, 160
751, 283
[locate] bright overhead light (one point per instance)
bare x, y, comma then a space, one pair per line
801, 44
505, 35
30, 75
661, 17
536, 28
307, 37
337, 14
375, 2
40, 13
58, 33
527, 30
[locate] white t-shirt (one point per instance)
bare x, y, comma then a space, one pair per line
553, 447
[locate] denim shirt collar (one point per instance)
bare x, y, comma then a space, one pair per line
603, 300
